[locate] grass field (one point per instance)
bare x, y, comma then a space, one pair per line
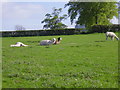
79, 61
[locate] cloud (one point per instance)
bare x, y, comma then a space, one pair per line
58, 0
21, 10
35, 1
4, 0
114, 20
22, 13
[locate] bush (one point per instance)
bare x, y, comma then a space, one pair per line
70, 31
105, 28
67, 31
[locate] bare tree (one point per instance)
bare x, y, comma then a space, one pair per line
19, 28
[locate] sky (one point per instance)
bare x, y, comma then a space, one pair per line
30, 13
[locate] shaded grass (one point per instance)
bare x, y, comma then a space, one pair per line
79, 61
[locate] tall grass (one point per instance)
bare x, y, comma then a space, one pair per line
79, 61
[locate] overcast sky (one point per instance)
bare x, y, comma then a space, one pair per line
30, 13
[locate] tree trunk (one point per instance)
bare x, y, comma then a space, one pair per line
96, 20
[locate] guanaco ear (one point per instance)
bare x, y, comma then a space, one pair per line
59, 38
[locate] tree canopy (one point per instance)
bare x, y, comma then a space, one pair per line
92, 13
119, 5
54, 20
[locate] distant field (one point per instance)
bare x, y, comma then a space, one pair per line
79, 61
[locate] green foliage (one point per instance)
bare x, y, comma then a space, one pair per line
119, 5
54, 20
65, 31
79, 61
92, 13
105, 28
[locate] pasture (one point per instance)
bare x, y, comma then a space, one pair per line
79, 61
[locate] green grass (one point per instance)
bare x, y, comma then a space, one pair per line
79, 61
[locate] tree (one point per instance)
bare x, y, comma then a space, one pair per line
54, 20
119, 12
92, 13
19, 27
119, 6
